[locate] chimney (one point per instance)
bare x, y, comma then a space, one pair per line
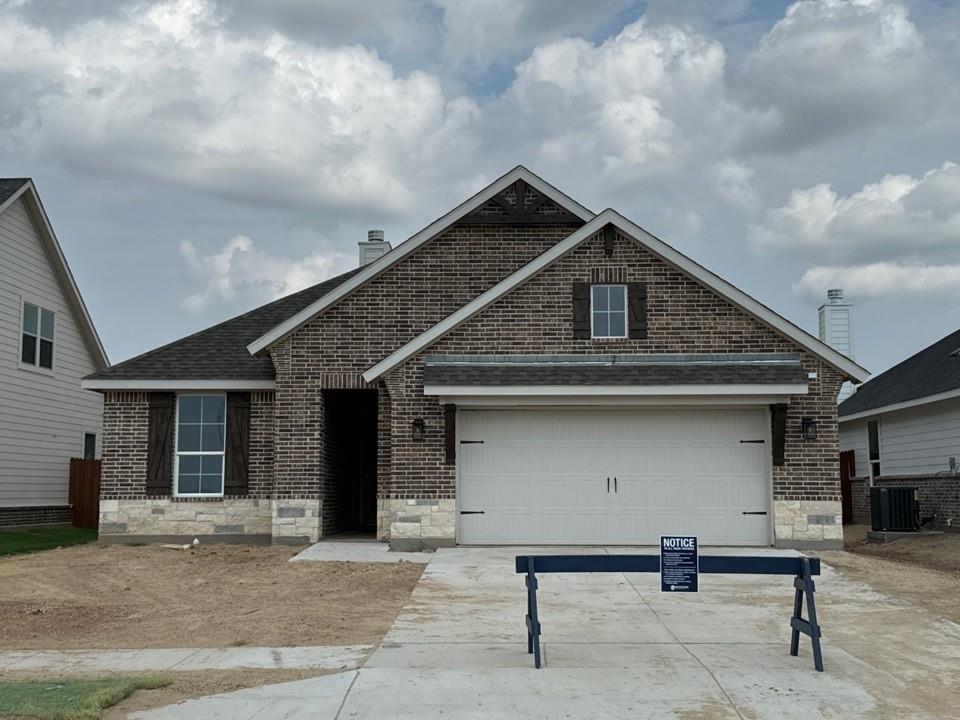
836, 330
374, 248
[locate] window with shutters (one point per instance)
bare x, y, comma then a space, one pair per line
200, 443
36, 337
608, 311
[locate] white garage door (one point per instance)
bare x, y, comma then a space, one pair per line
541, 476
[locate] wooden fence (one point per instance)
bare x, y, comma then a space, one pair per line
85, 492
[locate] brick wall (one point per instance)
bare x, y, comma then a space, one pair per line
939, 497
35, 515
123, 471
261, 445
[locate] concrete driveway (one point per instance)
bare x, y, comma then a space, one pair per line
615, 647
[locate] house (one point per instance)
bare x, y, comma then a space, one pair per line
903, 428
522, 370
47, 344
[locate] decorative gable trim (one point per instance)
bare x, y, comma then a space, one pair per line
574, 209
520, 204
58, 262
656, 246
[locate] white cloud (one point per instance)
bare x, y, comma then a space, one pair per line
881, 280
734, 183
165, 91
241, 270
898, 217
835, 65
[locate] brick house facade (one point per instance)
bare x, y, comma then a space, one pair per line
304, 475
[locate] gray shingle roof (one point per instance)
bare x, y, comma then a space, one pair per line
614, 370
220, 352
931, 371
8, 186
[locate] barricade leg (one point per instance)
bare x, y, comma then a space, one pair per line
533, 621
805, 588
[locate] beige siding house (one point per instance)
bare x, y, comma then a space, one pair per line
47, 343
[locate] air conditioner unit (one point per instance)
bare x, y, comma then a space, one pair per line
895, 509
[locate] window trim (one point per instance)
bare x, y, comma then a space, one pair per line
870, 461
626, 312
176, 449
37, 367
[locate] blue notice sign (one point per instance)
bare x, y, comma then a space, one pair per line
679, 565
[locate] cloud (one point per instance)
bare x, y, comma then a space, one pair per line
834, 66
898, 217
165, 91
241, 270
734, 183
882, 280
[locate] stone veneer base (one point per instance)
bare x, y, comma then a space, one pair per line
170, 517
183, 539
297, 521
808, 524
418, 524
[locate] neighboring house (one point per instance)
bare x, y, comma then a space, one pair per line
47, 344
520, 371
903, 428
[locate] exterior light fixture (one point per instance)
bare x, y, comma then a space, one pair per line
419, 430
808, 428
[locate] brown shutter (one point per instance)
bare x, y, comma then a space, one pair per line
637, 304
778, 432
237, 460
581, 310
160, 444
450, 421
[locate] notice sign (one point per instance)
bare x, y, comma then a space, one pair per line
678, 563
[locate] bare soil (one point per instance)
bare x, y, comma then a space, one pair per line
937, 552
91, 597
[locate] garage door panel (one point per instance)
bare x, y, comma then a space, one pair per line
540, 476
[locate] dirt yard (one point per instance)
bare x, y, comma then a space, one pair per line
214, 596
923, 570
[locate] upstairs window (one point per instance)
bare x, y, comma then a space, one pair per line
36, 340
201, 431
608, 311
873, 443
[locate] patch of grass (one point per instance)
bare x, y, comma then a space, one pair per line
15, 542
70, 699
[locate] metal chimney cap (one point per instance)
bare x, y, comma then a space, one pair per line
375, 236
835, 294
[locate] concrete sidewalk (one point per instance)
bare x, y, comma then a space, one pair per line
614, 646
368, 551
322, 657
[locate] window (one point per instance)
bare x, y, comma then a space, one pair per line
873, 442
36, 342
89, 446
608, 311
201, 428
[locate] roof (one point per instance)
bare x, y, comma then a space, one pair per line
219, 352
930, 375
653, 244
503, 370
13, 189
370, 271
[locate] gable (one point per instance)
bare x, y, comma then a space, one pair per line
700, 333
520, 204
497, 193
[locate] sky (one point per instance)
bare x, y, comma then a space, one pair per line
201, 157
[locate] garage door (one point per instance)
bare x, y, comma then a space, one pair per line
612, 476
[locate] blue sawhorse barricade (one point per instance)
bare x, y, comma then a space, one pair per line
803, 568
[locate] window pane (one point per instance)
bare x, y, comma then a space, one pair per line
28, 350
188, 438
190, 464
210, 484
190, 408
89, 446
46, 324
46, 354
30, 318
599, 297
601, 324
873, 439
212, 438
213, 408
188, 484
618, 324
618, 297
211, 464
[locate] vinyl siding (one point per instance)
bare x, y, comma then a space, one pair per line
43, 416
915, 441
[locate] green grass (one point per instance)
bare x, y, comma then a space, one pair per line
69, 699
15, 542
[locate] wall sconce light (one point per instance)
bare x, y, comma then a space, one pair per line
419, 430
808, 428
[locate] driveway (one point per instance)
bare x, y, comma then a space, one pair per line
614, 646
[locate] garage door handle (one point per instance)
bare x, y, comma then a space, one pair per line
471, 512
615, 484
608, 484
754, 512
752, 442
471, 442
